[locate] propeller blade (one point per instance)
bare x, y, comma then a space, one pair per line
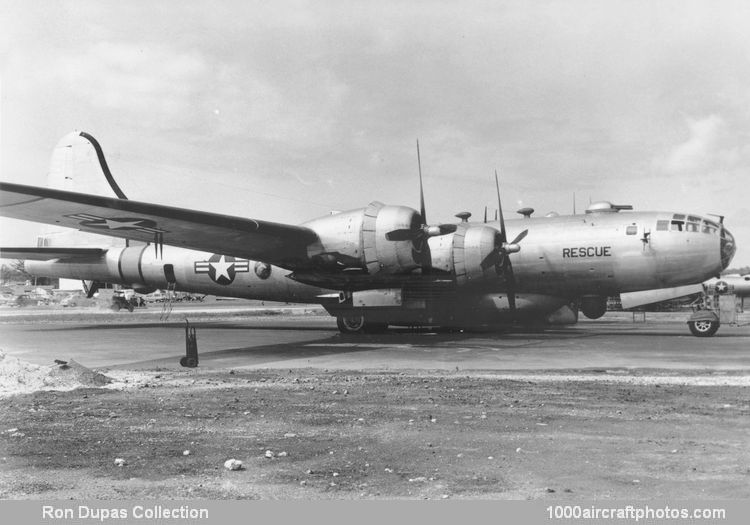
493, 259
402, 235
511, 286
507, 267
421, 189
485, 214
503, 236
520, 237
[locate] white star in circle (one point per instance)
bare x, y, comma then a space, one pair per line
116, 225
221, 267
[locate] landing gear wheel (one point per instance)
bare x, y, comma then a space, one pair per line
376, 328
704, 328
116, 307
189, 362
351, 324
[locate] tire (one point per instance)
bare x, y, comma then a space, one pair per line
351, 324
116, 307
703, 328
376, 328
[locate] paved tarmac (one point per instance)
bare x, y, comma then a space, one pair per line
291, 340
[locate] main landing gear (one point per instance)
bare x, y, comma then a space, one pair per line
356, 324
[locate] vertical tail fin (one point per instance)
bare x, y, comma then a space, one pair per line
78, 164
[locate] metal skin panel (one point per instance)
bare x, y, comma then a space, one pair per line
357, 239
369, 236
736, 284
667, 259
469, 250
339, 235
394, 256
441, 250
124, 266
378, 298
728, 309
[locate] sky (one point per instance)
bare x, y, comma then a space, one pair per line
285, 110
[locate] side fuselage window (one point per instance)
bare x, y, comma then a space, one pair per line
677, 226
631, 230
662, 226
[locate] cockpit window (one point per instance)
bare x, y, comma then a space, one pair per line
710, 227
688, 223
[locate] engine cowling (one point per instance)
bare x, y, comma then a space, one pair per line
470, 254
364, 238
472, 245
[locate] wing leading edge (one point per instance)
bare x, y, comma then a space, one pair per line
279, 244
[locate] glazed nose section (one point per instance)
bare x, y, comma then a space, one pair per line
727, 248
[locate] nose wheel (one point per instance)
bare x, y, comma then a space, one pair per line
703, 328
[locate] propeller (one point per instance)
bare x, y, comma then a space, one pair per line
499, 256
419, 232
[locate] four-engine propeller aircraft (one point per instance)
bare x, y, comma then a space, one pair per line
369, 267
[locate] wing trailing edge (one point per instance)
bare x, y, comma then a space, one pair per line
46, 254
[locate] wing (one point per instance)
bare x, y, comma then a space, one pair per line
45, 254
279, 244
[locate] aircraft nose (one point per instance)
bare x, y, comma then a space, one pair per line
727, 248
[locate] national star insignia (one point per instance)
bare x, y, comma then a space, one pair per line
221, 267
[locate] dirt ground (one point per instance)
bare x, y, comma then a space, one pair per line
318, 434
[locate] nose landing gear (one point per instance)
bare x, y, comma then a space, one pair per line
704, 325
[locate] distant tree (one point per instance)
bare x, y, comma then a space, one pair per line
742, 270
14, 272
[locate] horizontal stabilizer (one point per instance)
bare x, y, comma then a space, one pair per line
634, 299
46, 254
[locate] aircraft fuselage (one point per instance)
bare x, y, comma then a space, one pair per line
561, 259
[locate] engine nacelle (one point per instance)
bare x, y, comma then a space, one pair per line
471, 246
593, 306
463, 253
365, 238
